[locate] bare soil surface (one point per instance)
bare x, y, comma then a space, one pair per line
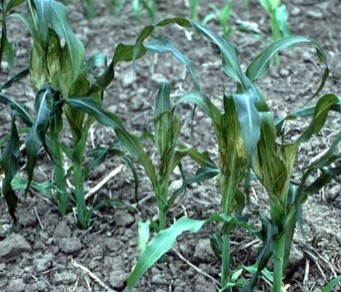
50, 253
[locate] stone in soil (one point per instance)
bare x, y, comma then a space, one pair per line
70, 245
123, 218
27, 220
202, 284
64, 278
13, 246
62, 230
203, 251
16, 285
118, 279
114, 244
43, 263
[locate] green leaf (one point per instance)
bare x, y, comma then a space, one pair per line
201, 100
162, 118
13, 3
144, 234
324, 161
43, 9
231, 65
21, 111
115, 203
15, 79
271, 169
281, 15
260, 65
322, 108
332, 284
98, 60
249, 120
129, 141
159, 245
123, 53
162, 45
202, 175
307, 111
165, 239
10, 165
73, 53
36, 136
19, 183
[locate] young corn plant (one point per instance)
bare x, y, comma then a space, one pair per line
247, 142
222, 15
274, 162
59, 72
278, 18
145, 5
237, 122
194, 6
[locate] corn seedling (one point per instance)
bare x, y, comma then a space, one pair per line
89, 8
194, 6
274, 162
145, 5
278, 18
6, 48
236, 123
58, 72
222, 15
246, 136
117, 6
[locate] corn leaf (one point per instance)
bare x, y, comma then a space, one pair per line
19, 183
260, 65
281, 15
98, 60
332, 284
308, 111
249, 120
129, 141
12, 4
123, 53
324, 162
159, 245
203, 174
322, 108
162, 45
36, 136
231, 65
144, 234
165, 239
268, 166
162, 118
15, 79
201, 100
202, 158
73, 53
10, 165
43, 9
21, 111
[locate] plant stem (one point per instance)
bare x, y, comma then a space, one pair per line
162, 218
79, 195
59, 176
161, 196
278, 258
227, 192
225, 265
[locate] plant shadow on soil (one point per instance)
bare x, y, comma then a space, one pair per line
49, 253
